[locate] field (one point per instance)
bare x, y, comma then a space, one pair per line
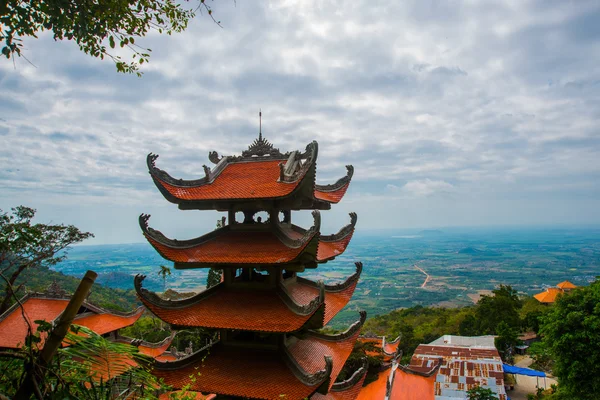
458, 264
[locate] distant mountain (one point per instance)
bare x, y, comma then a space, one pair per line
431, 232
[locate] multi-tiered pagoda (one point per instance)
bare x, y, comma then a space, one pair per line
266, 315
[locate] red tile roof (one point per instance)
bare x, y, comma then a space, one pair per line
345, 392
13, 328
302, 290
260, 374
407, 386
329, 250
334, 196
232, 247
461, 368
309, 352
223, 307
263, 373
105, 323
376, 390
178, 394
250, 178
228, 309
241, 180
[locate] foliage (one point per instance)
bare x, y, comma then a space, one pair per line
97, 27
506, 341
355, 361
571, 331
25, 245
38, 278
213, 278
479, 393
542, 358
91, 367
164, 273
503, 306
417, 325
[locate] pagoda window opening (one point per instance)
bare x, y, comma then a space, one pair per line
239, 217
261, 217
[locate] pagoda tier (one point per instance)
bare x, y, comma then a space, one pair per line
253, 243
261, 177
292, 304
292, 368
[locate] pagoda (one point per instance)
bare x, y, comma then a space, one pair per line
266, 315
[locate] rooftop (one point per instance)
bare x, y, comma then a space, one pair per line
304, 367
260, 173
39, 306
295, 303
257, 243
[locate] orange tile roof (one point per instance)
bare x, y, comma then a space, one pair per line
566, 285
228, 309
350, 393
177, 394
331, 196
376, 389
232, 247
329, 250
222, 307
104, 323
548, 296
165, 357
302, 292
264, 373
13, 328
406, 386
260, 374
309, 353
238, 180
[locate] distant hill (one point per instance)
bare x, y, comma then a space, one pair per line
431, 232
37, 279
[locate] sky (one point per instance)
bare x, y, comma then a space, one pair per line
461, 113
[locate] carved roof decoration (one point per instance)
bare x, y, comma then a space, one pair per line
261, 147
342, 233
261, 172
340, 182
353, 330
293, 306
356, 377
268, 243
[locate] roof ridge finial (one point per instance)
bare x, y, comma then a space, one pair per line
260, 125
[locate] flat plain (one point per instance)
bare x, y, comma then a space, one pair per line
447, 267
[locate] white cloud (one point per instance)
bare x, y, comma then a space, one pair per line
482, 99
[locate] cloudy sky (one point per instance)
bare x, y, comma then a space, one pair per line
454, 113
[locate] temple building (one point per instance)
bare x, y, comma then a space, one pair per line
49, 305
550, 294
267, 316
444, 369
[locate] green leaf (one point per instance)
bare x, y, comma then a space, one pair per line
111, 40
